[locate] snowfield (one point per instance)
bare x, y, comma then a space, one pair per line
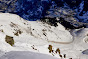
36, 40
25, 55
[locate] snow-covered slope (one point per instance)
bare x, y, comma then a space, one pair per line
27, 34
25, 55
36, 29
39, 37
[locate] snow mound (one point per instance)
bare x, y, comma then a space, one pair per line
25, 55
14, 25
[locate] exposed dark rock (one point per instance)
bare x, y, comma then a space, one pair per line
65, 23
50, 21
58, 51
85, 7
50, 49
59, 3
73, 3
9, 40
69, 25
27, 9
37, 9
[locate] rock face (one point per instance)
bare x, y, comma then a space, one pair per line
73, 12
36, 9
28, 9
64, 16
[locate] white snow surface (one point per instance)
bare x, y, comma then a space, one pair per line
36, 37
26, 55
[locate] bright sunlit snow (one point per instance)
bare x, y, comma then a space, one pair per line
36, 36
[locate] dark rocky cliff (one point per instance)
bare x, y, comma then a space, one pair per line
37, 9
